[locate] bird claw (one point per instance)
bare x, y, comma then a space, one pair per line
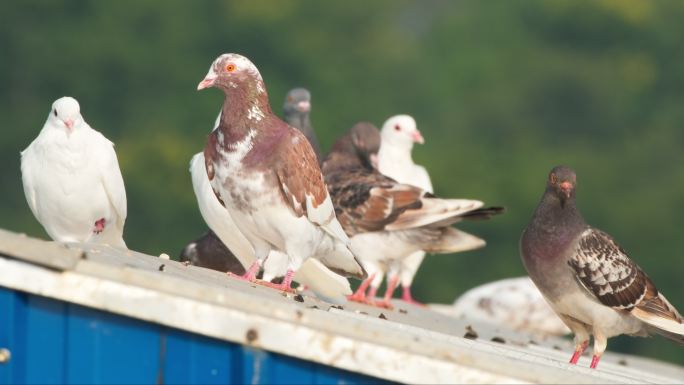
360, 298
278, 286
385, 304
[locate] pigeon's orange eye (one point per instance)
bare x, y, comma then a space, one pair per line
230, 67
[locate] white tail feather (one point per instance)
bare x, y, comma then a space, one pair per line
433, 210
324, 283
454, 241
667, 324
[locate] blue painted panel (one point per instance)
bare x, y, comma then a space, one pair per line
12, 335
105, 348
57, 342
45, 341
194, 359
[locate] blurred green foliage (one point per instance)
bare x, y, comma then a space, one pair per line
502, 91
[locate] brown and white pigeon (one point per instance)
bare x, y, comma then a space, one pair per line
587, 278
387, 220
296, 110
266, 174
72, 179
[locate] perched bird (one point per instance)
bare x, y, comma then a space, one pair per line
296, 110
399, 133
387, 220
588, 279
72, 180
266, 174
226, 249
208, 251
512, 303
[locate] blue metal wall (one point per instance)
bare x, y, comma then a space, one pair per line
57, 342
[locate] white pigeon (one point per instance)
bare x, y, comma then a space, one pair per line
321, 281
72, 180
512, 303
398, 134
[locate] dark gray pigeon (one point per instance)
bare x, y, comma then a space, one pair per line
208, 251
588, 279
296, 110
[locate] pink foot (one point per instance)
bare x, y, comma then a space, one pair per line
99, 226
406, 297
283, 286
250, 274
360, 293
595, 361
579, 349
387, 299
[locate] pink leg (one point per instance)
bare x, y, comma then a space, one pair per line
372, 292
387, 299
595, 361
406, 296
283, 286
99, 226
250, 274
579, 349
360, 294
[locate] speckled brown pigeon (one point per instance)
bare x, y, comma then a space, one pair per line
267, 176
588, 279
387, 220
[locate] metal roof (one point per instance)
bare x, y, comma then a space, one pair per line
408, 344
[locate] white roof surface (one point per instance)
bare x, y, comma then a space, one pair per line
409, 344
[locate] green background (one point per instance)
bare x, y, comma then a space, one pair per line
502, 91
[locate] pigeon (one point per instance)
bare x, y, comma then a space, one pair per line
266, 174
296, 111
208, 251
394, 160
224, 245
587, 278
387, 220
72, 181
512, 303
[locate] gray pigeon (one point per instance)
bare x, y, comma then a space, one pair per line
588, 279
208, 251
296, 111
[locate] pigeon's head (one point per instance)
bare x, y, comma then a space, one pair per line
298, 100
65, 113
562, 182
230, 72
401, 130
366, 140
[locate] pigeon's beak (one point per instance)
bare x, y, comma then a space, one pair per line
417, 137
304, 106
69, 123
566, 188
206, 83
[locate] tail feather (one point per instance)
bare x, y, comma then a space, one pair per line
661, 317
454, 241
324, 283
434, 210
